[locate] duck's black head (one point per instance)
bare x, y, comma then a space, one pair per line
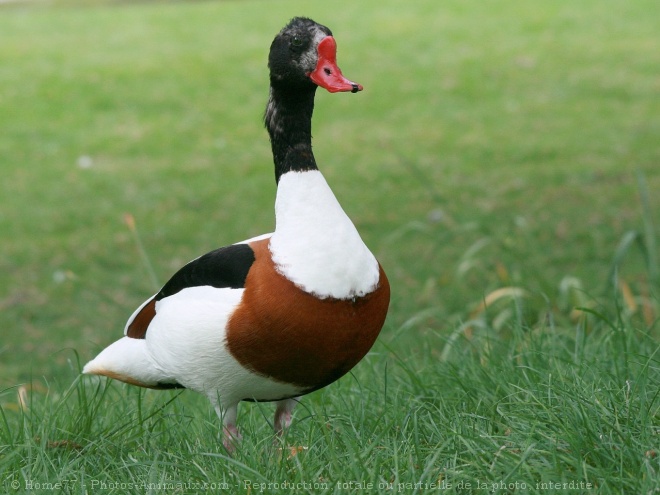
303, 56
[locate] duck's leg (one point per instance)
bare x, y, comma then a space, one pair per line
283, 414
230, 433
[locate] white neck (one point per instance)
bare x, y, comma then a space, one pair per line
315, 244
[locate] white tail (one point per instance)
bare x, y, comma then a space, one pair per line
128, 360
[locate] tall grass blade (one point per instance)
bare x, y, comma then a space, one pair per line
650, 244
132, 226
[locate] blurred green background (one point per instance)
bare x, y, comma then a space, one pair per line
496, 144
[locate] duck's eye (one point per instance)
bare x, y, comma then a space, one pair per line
296, 41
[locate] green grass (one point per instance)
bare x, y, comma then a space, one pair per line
502, 163
543, 408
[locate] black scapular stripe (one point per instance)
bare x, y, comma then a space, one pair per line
226, 267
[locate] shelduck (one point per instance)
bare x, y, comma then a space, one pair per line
280, 315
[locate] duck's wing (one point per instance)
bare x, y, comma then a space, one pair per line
222, 268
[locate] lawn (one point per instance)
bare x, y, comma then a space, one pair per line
502, 163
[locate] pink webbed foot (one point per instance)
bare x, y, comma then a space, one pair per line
231, 438
283, 414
